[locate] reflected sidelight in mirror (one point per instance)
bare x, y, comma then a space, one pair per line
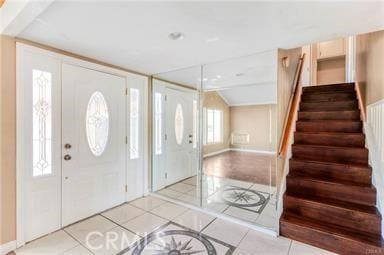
175, 160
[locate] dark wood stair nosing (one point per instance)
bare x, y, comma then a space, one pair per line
347, 191
334, 139
340, 154
337, 203
350, 184
336, 237
354, 216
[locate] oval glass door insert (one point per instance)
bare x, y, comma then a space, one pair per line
179, 124
97, 123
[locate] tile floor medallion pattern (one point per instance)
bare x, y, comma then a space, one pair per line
139, 228
174, 239
251, 202
247, 199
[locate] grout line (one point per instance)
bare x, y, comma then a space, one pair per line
290, 246
237, 246
77, 241
147, 197
119, 225
208, 225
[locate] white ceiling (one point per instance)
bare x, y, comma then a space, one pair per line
258, 69
134, 34
265, 93
246, 80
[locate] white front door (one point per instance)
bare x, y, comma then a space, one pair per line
93, 142
179, 135
38, 145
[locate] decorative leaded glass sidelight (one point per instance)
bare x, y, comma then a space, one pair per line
42, 122
179, 124
134, 123
97, 123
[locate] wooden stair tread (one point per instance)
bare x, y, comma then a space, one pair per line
342, 154
345, 126
328, 147
330, 87
327, 92
327, 121
341, 111
351, 184
333, 102
329, 115
337, 203
329, 133
343, 232
329, 111
340, 103
322, 136
333, 163
332, 170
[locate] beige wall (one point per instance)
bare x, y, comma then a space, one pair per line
259, 121
370, 65
331, 71
285, 81
8, 139
328, 70
213, 100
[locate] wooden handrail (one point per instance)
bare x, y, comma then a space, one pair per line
293, 107
361, 101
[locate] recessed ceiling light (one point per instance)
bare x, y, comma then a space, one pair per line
218, 76
176, 36
212, 39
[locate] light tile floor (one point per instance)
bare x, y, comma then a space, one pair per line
150, 225
231, 197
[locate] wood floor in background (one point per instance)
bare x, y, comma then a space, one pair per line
244, 166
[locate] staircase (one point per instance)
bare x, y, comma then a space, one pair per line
330, 201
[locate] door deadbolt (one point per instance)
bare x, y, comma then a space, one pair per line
67, 157
67, 146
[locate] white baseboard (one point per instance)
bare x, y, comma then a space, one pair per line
216, 153
7, 247
254, 151
241, 150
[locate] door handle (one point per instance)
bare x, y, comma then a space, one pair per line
67, 157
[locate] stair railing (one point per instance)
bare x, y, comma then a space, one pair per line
285, 141
292, 109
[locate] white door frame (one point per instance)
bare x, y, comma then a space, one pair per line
132, 80
158, 161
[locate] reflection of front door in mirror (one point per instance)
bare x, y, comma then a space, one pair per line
93, 137
179, 140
